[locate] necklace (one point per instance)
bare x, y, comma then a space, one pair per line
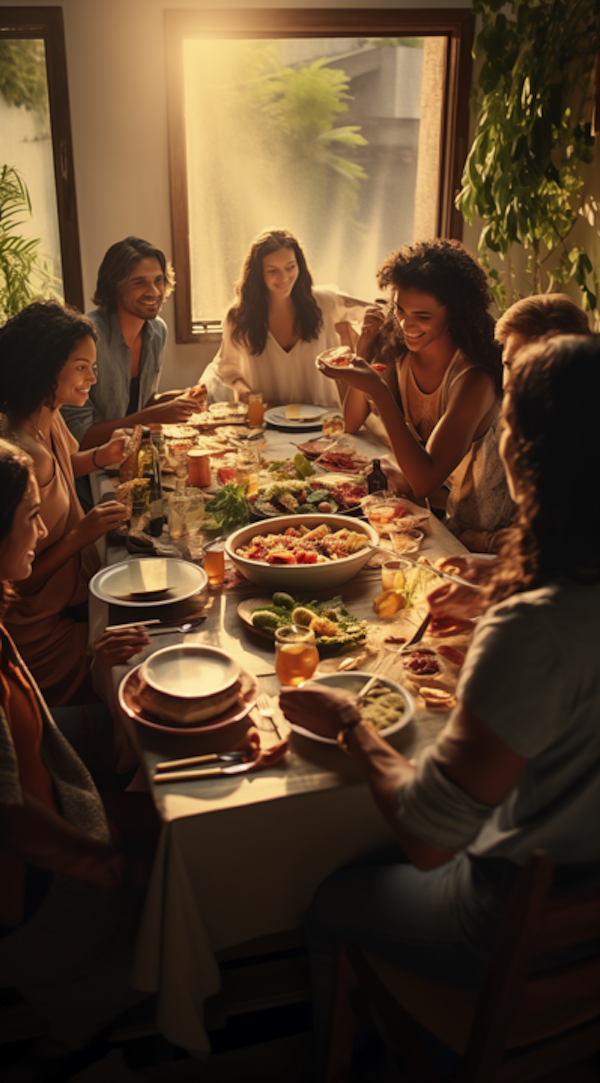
39, 434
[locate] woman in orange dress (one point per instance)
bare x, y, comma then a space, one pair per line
47, 359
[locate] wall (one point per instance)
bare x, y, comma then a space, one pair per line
116, 69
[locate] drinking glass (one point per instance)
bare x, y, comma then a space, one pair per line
198, 468
214, 563
246, 469
392, 574
178, 505
297, 656
256, 409
333, 425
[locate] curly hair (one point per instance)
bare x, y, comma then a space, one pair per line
551, 406
445, 270
34, 346
249, 314
117, 265
542, 314
16, 468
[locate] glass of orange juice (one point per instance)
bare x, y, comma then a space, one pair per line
214, 563
297, 656
256, 409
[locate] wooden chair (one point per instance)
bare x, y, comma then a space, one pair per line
521, 1026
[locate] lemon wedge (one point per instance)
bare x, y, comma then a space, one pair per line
388, 603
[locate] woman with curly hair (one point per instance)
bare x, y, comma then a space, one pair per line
278, 325
439, 396
516, 767
47, 360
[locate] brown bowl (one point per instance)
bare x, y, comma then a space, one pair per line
219, 734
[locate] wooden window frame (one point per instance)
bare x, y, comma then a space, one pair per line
456, 24
47, 23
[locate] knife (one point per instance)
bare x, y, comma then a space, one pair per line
210, 772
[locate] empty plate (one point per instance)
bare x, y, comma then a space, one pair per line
129, 584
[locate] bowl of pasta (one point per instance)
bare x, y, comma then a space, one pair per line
299, 553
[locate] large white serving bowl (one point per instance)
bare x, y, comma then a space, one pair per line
300, 577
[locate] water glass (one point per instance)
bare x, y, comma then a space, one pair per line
297, 656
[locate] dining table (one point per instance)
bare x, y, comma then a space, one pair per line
240, 856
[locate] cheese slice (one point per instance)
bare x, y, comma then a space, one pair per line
292, 412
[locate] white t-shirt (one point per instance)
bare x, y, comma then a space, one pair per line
289, 376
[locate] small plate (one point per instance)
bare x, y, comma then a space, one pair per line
190, 671
129, 702
118, 584
275, 417
245, 610
352, 683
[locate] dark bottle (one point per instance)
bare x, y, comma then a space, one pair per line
376, 480
149, 467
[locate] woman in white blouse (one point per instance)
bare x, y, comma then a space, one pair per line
278, 324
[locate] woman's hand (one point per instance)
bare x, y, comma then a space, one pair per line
172, 412
359, 375
452, 601
371, 326
115, 450
99, 521
118, 646
320, 710
242, 391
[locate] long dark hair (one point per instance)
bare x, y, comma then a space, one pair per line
16, 468
551, 406
34, 346
249, 314
449, 273
118, 264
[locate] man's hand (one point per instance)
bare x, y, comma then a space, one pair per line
99, 521
173, 412
117, 647
318, 709
454, 601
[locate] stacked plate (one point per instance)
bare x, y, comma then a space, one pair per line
188, 700
303, 418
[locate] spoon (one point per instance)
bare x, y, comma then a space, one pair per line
187, 626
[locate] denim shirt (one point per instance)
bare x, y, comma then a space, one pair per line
109, 396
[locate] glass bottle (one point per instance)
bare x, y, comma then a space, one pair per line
376, 480
149, 467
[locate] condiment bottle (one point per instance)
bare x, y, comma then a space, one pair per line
376, 480
149, 467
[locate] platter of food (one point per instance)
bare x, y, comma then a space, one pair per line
335, 629
296, 417
287, 552
309, 496
387, 706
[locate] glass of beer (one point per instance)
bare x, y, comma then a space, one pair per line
256, 409
297, 656
214, 563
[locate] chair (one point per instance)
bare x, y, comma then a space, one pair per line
521, 1026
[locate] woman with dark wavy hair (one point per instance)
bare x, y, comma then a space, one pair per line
278, 325
47, 359
516, 766
439, 397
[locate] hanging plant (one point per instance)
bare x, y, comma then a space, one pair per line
522, 175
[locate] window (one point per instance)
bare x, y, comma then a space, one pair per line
355, 143
36, 143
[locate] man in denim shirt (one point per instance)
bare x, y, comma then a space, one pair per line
133, 280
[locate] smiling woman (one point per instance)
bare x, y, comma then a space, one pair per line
47, 359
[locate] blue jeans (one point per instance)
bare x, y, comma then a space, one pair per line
440, 924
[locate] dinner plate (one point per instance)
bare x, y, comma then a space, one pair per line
352, 683
190, 670
119, 583
275, 417
129, 702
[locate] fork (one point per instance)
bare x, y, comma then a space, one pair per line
263, 706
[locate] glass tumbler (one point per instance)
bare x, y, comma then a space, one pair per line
297, 656
256, 409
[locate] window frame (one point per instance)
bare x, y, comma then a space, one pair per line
47, 23
456, 24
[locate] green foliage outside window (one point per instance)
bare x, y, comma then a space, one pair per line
23, 73
18, 255
522, 176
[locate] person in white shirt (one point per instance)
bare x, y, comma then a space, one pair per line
279, 324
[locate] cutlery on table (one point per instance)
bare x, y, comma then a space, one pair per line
186, 626
209, 757
416, 638
263, 706
208, 772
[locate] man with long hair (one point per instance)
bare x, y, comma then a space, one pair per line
134, 279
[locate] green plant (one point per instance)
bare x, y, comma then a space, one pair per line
18, 255
522, 175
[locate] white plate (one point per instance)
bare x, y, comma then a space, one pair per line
190, 671
116, 583
276, 417
352, 683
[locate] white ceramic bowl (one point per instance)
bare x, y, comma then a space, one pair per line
189, 683
352, 683
300, 577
